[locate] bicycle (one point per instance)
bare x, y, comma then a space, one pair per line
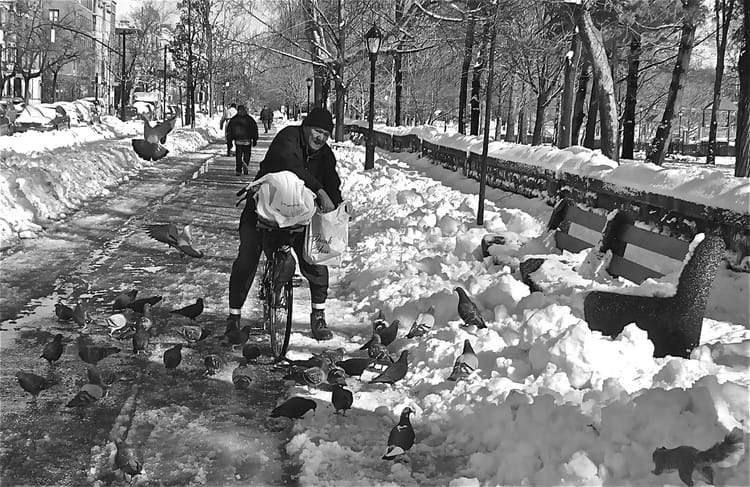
277, 284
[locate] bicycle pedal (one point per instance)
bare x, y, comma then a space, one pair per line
296, 280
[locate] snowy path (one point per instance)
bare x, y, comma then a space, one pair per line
186, 428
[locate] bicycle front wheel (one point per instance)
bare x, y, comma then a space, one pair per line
279, 313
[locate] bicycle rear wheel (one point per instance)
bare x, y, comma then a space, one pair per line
278, 312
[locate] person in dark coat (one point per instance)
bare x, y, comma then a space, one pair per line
224, 124
243, 131
303, 151
266, 117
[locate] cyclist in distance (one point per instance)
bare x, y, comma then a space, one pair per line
301, 149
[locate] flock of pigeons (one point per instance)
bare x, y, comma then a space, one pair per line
133, 319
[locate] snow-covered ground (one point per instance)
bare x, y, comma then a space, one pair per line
552, 402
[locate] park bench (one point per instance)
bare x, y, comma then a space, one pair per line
673, 323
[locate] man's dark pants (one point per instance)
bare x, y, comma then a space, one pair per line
248, 256
242, 158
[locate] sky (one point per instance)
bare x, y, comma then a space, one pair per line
552, 403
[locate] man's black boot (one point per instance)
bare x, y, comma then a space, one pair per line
319, 326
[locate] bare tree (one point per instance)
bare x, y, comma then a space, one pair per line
723, 12
742, 144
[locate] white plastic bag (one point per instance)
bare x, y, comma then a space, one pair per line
282, 199
327, 237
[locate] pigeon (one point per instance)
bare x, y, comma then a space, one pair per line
212, 363
395, 372
119, 323
53, 350
377, 351
146, 320
387, 332
342, 399
336, 374
138, 304
194, 334
125, 460
355, 366
168, 233
173, 356
124, 299
333, 356
99, 376
32, 383
81, 314
251, 352
63, 312
466, 363
238, 336
150, 147
93, 354
467, 310
294, 408
148, 151
90, 392
192, 311
311, 376
424, 323
241, 377
401, 437
140, 339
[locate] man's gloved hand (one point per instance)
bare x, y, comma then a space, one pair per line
324, 201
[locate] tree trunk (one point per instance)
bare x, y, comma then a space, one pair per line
742, 141
589, 137
468, 51
631, 96
476, 79
603, 83
583, 92
338, 76
498, 111
541, 105
659, 146
397, 74
564, 131
510, 130
725, 9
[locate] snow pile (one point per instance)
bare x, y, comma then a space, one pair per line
45, 176
552, 403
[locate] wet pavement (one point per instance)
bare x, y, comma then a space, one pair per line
185, 427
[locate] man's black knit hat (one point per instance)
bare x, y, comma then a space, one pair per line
319, 117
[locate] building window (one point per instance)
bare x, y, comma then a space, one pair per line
54, 15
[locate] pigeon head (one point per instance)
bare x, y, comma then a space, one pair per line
406, 412
460, 291
178, 346
58, 337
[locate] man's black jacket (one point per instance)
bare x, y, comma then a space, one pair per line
289, 152
242, 127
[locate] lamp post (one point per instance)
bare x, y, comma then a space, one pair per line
373, 39
164, 94
309, 82
123, 31
680, 131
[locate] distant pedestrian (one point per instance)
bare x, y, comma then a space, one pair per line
243, 131
266, 116
225, 118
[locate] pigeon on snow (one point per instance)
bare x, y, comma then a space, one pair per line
422, 324
169, 234
63, 312
465, 364
191, 311
124, 299
342, 399
150, 147
294, 408
138, 304
387, 332
173, 356
402, 436
394, 372
53, 350
241, 375
467, 310
377, 351
355, 366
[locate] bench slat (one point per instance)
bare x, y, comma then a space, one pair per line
584, 218
661, 244
567, 242
619, 266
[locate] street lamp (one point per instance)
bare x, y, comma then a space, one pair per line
123, 31
164, 94
682, 142
373, 39
309, 82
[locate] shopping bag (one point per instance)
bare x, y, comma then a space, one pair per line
283, 200
327, 236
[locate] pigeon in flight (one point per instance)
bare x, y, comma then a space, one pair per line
402, 436
169, 234
424, 323
191, 311
394, 372
53, 350
294, 408
465, 364
150, 147
467, 310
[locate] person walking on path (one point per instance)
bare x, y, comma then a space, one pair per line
243, 131
266, 117
301, 149
228, 114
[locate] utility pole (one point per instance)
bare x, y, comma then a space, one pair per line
191, 91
